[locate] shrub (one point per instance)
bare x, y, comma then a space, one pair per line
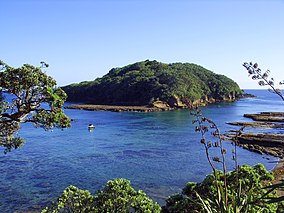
252, 181
117, 196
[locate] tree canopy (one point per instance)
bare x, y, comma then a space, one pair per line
28, 95
117, 196
144, 82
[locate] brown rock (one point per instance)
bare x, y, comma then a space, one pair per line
160, 104
267, 116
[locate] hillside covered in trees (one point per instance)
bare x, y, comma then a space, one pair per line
148, 82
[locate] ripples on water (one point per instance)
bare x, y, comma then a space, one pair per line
159, 152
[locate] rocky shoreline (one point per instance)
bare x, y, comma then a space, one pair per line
265, 143
267, 116
157, 106
93, 107
262, 143
258, 124
268, 143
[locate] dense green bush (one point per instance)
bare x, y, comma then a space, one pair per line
117, 196
72, 200
252, 181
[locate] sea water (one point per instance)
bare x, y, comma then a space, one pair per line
159, 152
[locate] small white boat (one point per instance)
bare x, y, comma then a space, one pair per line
91, 126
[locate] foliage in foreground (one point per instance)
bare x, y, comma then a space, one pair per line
34, 98
252, 180
117, 196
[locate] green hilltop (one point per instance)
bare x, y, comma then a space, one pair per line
148, 82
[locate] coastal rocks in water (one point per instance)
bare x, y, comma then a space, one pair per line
257, 124
272, 144
267, 116
160, 105
263, 143
174, 103
93, 107
274, 151
262, 139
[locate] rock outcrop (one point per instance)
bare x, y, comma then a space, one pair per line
262, 139
267, 116
258, 124
263, 143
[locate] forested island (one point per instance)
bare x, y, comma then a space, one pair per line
155, 84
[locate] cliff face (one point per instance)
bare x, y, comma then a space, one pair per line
177, 103
152, 82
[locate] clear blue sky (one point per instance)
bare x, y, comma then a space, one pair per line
84, 39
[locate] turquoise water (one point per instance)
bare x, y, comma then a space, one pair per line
158, 152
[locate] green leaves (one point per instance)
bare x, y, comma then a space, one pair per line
31, 90
72, 200
253, 195
117, 196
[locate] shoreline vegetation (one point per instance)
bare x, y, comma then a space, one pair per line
113, 108
157, 106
